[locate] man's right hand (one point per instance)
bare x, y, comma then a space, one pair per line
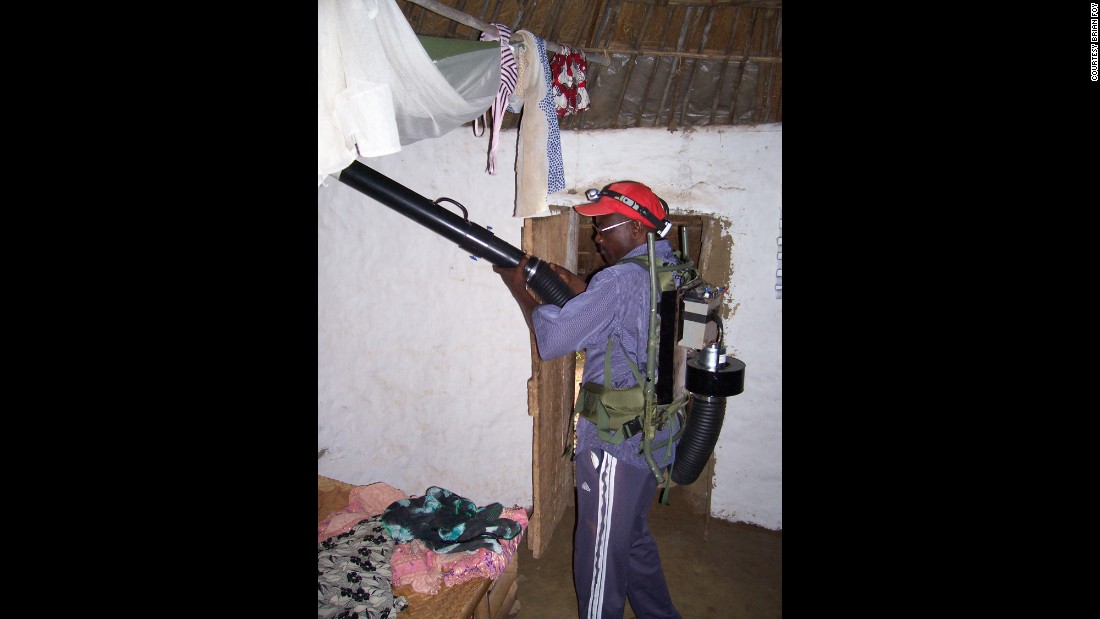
516, 280
514, 277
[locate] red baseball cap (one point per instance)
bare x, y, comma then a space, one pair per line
625, 197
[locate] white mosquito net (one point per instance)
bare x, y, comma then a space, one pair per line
378, 89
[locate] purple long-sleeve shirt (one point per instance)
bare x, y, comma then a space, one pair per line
616, 301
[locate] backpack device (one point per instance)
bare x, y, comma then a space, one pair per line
687, 305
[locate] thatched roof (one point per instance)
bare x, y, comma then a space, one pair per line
651, 63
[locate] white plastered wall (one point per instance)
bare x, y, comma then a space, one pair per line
423, 356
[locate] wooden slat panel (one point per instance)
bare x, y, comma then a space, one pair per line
551, 394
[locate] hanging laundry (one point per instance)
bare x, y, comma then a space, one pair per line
556, 174
540, 170
508, 75
570, 85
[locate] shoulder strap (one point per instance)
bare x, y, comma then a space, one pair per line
665, 272
607, 377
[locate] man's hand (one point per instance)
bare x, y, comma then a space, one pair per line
514, 277
575, 283
516, 281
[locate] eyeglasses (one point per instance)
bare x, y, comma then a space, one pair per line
602, 230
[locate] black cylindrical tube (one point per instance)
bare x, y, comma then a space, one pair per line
468, 235
669, 311
546, 283
705, 416
725, 379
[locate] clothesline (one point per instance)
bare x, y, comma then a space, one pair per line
473, 22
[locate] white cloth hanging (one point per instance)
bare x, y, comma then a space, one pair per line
539, 165
378, 89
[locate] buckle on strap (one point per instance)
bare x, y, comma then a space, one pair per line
634, 426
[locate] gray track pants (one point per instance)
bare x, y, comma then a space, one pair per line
614, 556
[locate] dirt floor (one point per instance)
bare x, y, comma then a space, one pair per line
715, 569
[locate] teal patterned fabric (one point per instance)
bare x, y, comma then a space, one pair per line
446, 522
354, 579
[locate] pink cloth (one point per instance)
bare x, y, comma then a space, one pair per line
413, 564
363, 502
426, 571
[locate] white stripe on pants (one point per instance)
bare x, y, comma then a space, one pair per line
614, 556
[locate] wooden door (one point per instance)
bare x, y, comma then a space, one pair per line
551, 392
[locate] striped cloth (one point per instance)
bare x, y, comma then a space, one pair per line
508, 74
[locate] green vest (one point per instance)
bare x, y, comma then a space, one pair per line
611, 408
629, 411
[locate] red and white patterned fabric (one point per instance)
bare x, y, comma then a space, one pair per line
568, 69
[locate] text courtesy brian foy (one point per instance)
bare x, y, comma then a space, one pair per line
1095, 36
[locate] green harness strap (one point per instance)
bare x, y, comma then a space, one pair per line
614, 410
665, 272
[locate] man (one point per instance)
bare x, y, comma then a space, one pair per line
614, 556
